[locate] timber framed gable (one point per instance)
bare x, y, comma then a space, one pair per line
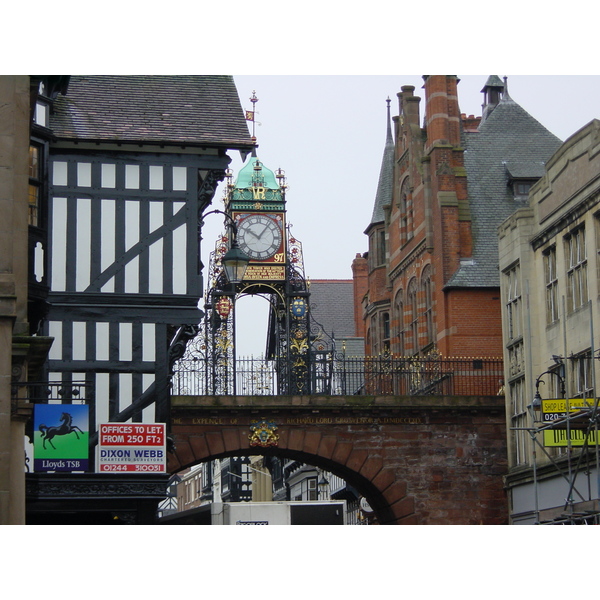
127, 186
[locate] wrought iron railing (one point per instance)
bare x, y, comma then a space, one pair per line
342, 375
67, 392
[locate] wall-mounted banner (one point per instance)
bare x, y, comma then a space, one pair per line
557, 408
60, 437
132, 448
575, 437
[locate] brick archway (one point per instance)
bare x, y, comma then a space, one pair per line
367, 475
417, 460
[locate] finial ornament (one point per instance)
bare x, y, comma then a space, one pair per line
506, 94
251, 114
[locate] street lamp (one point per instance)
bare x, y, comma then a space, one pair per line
235, 261
536, 404
323, 485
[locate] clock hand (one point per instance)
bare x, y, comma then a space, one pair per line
261, 233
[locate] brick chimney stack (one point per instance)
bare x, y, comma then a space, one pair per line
360, 273
441, 111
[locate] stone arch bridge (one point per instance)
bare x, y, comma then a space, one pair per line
416, 459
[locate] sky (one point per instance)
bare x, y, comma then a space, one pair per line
327, 132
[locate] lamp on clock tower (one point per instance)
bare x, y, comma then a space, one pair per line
235, 262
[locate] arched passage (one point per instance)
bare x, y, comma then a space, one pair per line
417, 459
251, 325
367, 475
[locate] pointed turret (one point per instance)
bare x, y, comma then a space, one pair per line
492, 91
386, 175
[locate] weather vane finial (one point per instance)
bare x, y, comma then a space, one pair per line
250, 114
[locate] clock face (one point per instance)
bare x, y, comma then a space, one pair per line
259, 236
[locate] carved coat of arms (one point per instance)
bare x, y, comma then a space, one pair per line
298, 307
262, 433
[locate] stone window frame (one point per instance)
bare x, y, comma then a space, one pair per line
514, 302
551, 284
406, 212
427, 289
581, 375
518, 420
412, 305
576, 268
399, 308
35, 182
385, 331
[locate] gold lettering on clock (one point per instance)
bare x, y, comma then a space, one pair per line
259, 193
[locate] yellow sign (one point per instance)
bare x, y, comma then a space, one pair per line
556, 408
558, 437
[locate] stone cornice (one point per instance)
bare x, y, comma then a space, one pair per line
418, 251
565, 221
94, 486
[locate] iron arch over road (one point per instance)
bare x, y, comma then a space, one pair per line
417, 460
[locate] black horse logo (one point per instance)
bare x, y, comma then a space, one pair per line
63, 429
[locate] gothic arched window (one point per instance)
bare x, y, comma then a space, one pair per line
399, 318
406, 212
413, 316
426, 286
385, 332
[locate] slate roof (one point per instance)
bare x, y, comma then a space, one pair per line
197, 110
332, 305
509, 143
493, 81
385, 186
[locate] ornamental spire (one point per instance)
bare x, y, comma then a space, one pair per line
251, 114
389, 138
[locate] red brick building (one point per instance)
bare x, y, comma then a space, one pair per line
447, 181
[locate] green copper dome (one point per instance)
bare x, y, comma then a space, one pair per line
254, 173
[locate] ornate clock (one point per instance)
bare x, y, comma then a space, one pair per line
260, 236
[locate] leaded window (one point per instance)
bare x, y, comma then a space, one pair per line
406, 213
513, 302
385, 331
35, 183
413, 325
577, 294
581, 376
518, 421
428, 298
399, 305
551, 281
381, 249
374, 335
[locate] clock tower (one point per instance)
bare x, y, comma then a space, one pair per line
256, 202
255, 208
